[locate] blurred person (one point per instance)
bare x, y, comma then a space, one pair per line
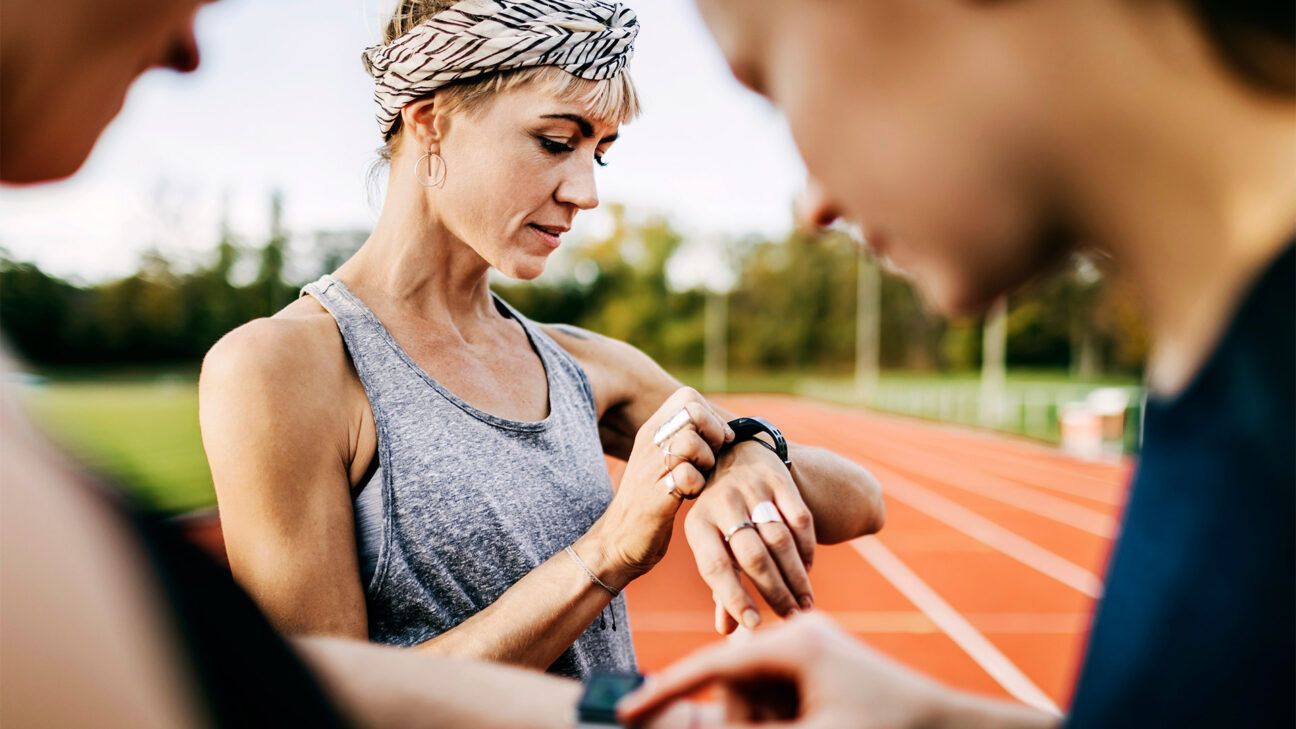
107, 617
400, 455
979, 143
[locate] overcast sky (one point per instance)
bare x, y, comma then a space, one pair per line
280, 101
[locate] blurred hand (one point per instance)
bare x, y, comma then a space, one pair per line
807, 674
660, 473
776, 556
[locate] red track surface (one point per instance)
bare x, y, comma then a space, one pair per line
1011, 535
989, 560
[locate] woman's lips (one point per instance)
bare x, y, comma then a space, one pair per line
550, 236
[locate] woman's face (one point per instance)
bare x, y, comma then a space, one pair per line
517, 172
921, 121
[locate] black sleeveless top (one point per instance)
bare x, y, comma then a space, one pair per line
1197, 626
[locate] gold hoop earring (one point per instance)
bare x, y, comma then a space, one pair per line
436, 170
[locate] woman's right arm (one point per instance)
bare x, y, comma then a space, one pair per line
280, 442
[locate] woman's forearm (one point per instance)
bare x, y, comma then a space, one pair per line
844, 498
541, 615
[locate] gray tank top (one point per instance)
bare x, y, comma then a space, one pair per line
464, 504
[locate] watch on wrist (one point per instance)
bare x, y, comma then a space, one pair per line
746, 429
597, 707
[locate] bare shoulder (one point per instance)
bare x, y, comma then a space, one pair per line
293, 363
595, 348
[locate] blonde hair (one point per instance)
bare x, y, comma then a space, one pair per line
612, 100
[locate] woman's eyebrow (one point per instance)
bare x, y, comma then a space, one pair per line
586, 128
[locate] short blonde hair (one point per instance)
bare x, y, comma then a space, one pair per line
613, 100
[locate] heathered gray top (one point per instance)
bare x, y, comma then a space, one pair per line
464, 503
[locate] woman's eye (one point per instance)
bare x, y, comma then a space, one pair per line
553, 147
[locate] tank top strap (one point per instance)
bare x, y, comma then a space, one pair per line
382, 370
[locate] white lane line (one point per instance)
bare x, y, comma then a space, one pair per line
987, 532
879, 622
1001, 490
981, 650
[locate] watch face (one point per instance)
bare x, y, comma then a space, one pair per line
602, 692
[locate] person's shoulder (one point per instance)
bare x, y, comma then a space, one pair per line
297, 350
617, 370
593, 349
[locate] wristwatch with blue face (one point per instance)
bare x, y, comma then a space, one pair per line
597, 707
748, 428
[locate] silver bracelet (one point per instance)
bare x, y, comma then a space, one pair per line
593, 577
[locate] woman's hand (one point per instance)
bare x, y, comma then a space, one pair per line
775, 553
672, 451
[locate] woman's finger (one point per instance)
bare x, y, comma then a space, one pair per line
753, 556
684, 481
688, 446
782, 547
707, 423
798, 518
718, 570
724, 622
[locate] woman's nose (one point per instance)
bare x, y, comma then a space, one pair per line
578, 188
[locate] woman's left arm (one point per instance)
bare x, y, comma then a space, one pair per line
823, 498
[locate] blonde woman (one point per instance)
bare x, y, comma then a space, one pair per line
402, 456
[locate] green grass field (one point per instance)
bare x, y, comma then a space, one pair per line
142, 430
144, 434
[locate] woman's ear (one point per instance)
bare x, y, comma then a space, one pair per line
424, 123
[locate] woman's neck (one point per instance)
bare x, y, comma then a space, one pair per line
413, 266
1187, 181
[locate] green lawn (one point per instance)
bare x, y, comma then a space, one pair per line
142, 428
144, 434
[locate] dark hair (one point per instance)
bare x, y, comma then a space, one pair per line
1258, 38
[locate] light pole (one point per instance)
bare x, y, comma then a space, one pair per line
868, 311
994, 345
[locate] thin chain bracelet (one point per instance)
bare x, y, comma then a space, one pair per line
593, 577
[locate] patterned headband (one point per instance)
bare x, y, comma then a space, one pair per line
592, 39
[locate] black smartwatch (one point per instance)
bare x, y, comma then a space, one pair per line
748, 428
597, 707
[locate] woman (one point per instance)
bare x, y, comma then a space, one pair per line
401, 407
978, 143
111, 619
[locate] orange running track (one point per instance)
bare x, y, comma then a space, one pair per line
984, 576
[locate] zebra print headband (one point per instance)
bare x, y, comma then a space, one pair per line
592, 39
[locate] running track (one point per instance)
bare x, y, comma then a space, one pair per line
984, 576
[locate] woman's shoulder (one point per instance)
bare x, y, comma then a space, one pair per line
281, 358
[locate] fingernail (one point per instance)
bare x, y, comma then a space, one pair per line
750, 619
807, 602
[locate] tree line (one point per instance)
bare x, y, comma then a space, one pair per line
792, 306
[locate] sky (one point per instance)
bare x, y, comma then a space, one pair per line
280, 101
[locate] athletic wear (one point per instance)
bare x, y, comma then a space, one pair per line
1197, 626
464, 504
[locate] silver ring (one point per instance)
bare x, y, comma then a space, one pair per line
669, 479
737, 528
678, 422
765, 513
